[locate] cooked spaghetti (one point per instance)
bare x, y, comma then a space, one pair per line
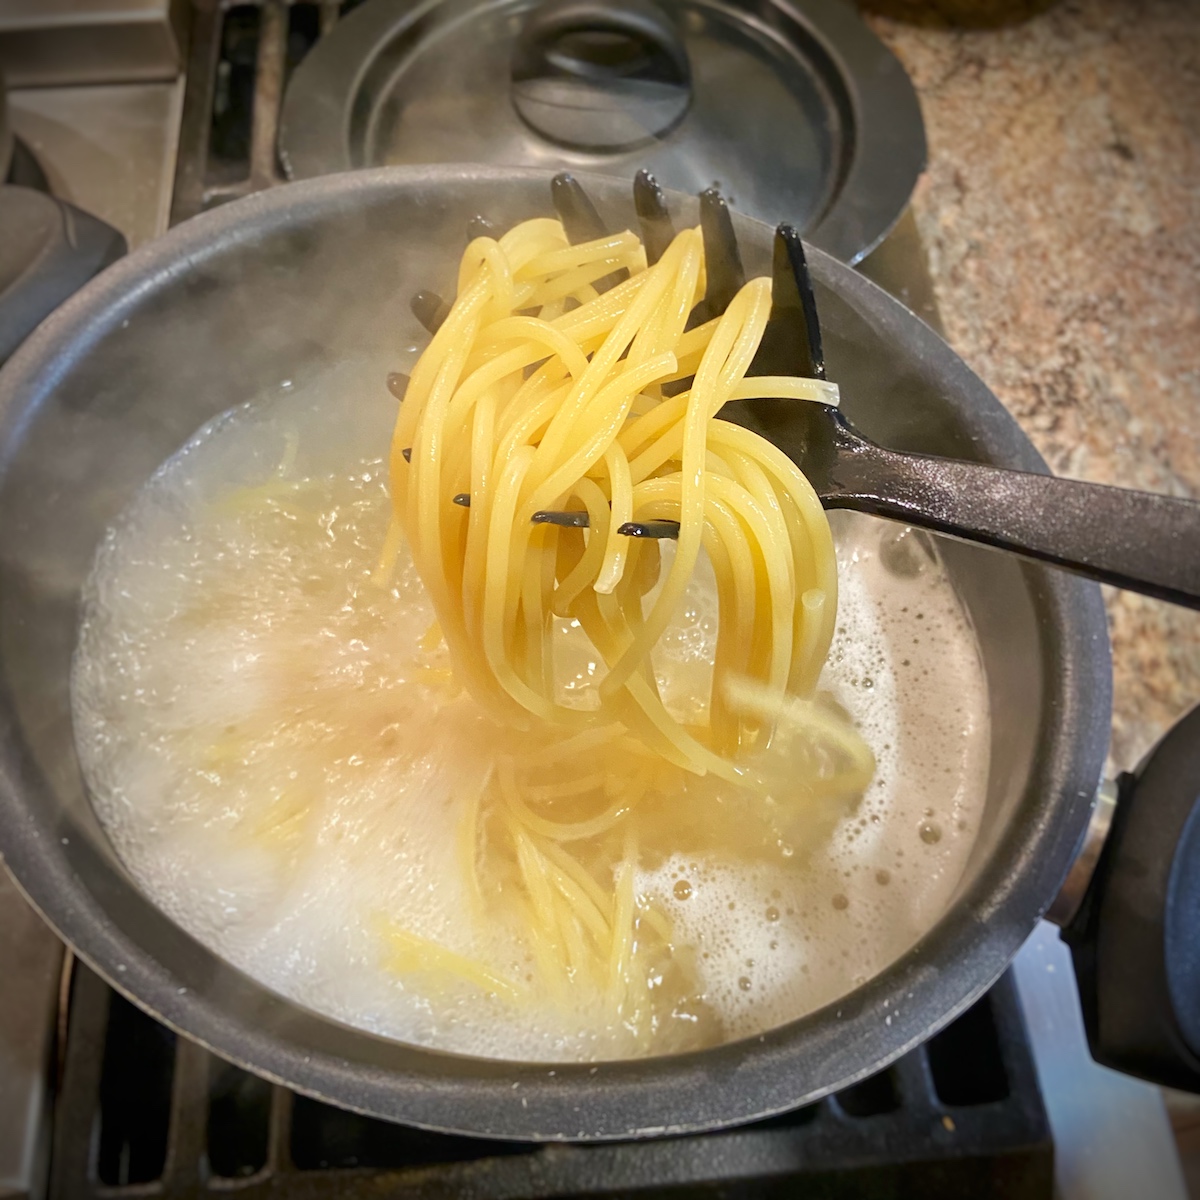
540, 392
565, 409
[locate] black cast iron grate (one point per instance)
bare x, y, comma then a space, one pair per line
241, 56
141, 1113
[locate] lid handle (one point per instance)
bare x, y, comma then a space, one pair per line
600, 77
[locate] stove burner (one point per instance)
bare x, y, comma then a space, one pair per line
140, 1112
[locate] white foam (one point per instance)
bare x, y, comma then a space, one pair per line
354, 731
778, 942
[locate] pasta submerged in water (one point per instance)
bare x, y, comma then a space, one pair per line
542, 392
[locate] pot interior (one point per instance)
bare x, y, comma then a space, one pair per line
230, 306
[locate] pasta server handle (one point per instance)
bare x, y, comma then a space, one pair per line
1140, 541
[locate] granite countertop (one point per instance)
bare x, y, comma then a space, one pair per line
1061, 217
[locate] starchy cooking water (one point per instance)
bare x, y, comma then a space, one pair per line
279, 752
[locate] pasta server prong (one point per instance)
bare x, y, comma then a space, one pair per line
658, 230
724, 274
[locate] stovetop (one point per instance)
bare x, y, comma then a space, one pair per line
140, 1111
99, 1100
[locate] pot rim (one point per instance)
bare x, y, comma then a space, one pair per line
824, 1051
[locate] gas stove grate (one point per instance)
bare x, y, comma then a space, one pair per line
242, 54
141, 1113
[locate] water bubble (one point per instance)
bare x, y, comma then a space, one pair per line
772, 913
744, 982
931, 833
841, 902
682, 889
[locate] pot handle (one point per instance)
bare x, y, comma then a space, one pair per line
1135, 939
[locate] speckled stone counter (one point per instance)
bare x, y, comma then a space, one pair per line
1061, 217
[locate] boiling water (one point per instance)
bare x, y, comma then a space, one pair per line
278, 751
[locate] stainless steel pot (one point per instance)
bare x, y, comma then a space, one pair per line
285, 282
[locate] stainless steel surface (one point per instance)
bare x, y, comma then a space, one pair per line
799, 113
1070, 897
30, 966
108, 149
59, 42
1112, 1139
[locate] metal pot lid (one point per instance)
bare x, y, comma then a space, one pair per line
796, 111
